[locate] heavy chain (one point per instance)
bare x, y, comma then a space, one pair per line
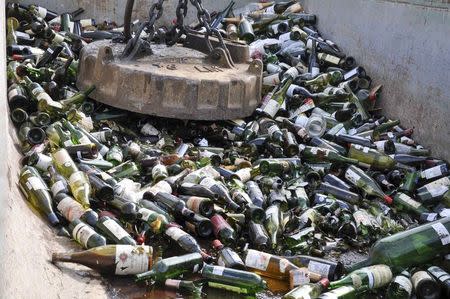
156, 10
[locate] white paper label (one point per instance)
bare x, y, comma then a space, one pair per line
70, 209
284, 263
437, 191
257, 260
42, 11
405, 282
244, 174
77, 176
432, 217
271, 108
81, 233
208, 182
36, 184
381, 274
433, 172
131, 259
68, 142
365, 150
173, 283
319, 268
352, 176
115, 229
145, 213
217, 270
175, 233
299, 277
12, 93
58, 187
442, 232
390, 135
410, 201
272, 129
43, 162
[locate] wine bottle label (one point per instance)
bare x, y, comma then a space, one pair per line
442, 232
58, 38
86, 22
12, 93
409, 201
244, 174
208, 182
115, 229
81, 233
146, 213
319, 268
173, 283
356, 281
365, 149
70, 209
193, 203
271, 108
42, 11
330, 58
57, 187
34, 183
234, 256
131, 259
404, 282
84, 140
274, 28
352, 176
43, 96
68, 142
35, 91
272, 129
44, 162
284, 263
257, 260
432, 216
175, 233
218, 270
437, 191
299, 277
78, 176
271, 210
418, 277
445, 181
434, 172
379, 275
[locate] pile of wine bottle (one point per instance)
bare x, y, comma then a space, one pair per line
273, 201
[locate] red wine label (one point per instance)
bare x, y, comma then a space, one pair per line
218, 224
132, 259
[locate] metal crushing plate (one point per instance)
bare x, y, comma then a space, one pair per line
175, 82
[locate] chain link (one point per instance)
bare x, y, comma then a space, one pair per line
156, 11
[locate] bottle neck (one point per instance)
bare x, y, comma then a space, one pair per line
358, 265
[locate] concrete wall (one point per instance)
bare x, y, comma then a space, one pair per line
114, 9
405, 46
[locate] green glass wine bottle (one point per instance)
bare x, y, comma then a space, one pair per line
111, 259
85, 235
78, 180
249, 281
371, 277
371, 156
172, 267
309, 290
319, 154
424, 243
360, 179
37, 192
277, 100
